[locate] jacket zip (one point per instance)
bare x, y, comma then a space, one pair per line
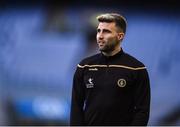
107, 68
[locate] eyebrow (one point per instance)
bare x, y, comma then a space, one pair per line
106, 30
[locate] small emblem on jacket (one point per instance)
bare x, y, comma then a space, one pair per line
90, 83
121, 82
93, 69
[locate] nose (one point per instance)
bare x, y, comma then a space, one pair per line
100, 36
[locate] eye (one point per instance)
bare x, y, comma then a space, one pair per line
98, 30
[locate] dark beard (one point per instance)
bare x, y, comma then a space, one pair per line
109, 48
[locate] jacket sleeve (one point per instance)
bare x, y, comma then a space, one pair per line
141, 98
77, 99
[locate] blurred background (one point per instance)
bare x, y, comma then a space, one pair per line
42, 41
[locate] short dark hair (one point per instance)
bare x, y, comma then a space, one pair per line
119, 20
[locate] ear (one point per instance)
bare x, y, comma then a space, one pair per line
120, 36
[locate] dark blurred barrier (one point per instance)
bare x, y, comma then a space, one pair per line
171, 117
37, 111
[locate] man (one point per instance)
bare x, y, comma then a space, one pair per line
112, 87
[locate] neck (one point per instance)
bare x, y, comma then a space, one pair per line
112, 53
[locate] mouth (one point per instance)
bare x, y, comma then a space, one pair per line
101, 46
101, 42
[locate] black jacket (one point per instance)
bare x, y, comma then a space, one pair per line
111, 90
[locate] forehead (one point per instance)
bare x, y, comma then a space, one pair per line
105, 25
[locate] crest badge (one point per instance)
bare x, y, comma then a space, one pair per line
121, 82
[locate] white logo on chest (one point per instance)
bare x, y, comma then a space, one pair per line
93, 69
90, 83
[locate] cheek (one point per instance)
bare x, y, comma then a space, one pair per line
110, 38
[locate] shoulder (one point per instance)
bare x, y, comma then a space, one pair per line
131, 61
90, 60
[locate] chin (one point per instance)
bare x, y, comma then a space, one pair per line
106, 50
102, 50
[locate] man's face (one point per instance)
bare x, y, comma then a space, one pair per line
107, 37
